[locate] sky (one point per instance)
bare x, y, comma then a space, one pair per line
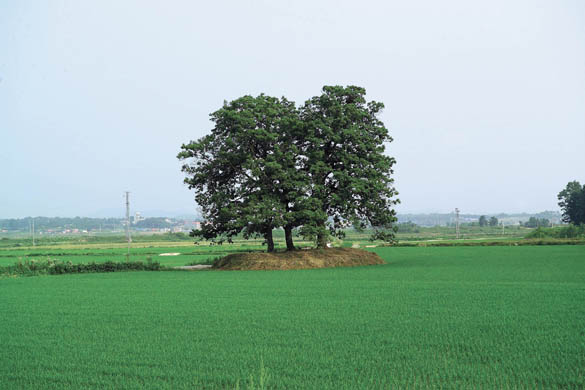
485, 100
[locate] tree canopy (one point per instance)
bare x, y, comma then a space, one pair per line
319, 168
572, 203
534, 222
350, 176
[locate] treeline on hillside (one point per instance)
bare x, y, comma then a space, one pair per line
448, 219
153, 223
45, 223
536, 222
82, 223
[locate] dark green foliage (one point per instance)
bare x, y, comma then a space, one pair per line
572, 203
407, 227
267, 165
245, 172
350, 176
483, 221
153, 223
536, 222
493, 221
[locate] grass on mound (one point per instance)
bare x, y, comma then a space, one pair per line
313, 258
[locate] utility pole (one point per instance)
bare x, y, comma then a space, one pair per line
31, 228
128, 221
457, 223
503, 228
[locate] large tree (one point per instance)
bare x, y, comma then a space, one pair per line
245, 172
572, 203
267, 165
350, 176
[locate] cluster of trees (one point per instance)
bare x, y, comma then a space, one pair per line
153, 223
81, 223
534, 222
407, 227
484, 221
44, 223
572, 203
317, 168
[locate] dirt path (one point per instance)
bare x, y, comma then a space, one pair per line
194, 267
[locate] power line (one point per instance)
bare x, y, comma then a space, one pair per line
457, 223
32, 230
128, 221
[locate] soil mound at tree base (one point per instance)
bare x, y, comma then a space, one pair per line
301, 259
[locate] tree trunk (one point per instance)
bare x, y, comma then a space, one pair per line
322, 239
289, 240
269, 240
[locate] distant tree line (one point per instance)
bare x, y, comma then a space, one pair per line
153, 223
484, 221
534, 222
81, 223
45, 223
408, 227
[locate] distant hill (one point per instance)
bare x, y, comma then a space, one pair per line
67, 225
437, 219
186, 221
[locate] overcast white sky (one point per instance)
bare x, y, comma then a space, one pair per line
485, 100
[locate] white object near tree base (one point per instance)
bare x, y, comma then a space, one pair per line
194, 267
169, 254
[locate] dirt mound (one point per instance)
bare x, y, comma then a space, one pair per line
314, 258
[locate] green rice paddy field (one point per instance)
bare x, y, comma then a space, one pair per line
188, 253
453, 317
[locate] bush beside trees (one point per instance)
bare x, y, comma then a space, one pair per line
534, 222
57, 267
570, 231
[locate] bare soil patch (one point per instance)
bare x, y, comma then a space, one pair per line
314, 258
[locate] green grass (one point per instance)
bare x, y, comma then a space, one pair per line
455, 317
190, 254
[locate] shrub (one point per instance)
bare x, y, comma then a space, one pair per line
570, 231
59, 267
